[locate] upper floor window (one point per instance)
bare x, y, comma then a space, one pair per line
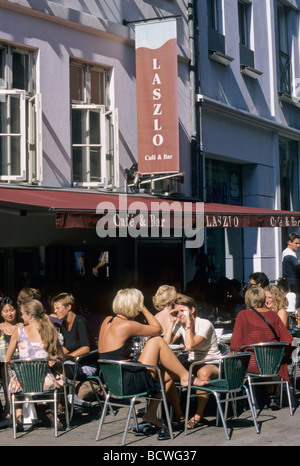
214, 15
94, 127
20, 116
283, 49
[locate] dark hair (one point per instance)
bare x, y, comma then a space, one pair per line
186, 301
4, 301
260, 278
283, 285
292, 236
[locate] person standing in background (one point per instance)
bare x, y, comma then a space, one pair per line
291, 266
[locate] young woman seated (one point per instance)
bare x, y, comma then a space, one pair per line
115, 342
201, 342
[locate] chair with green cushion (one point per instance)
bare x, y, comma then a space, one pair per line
269, 356
231, 383
31, 374
113, 379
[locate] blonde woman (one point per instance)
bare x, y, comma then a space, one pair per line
163, 302
277, 301
37, 338
115, 342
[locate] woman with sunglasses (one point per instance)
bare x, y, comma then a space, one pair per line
200, 340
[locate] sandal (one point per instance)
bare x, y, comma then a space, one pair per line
180, 423
193, 423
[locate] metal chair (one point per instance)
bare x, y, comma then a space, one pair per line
31, 374
295, 362
89, 378
269, 356
113, 378
231, 382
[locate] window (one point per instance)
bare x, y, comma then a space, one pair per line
94, 127
20, 116
243, 11
223, 182
283, 49
246, 54
289, 181
213, 15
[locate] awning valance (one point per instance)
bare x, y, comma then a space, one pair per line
83, 209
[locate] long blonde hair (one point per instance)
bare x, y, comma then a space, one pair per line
47, 330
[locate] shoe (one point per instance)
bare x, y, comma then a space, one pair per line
164, 434
79, 402
273, 403
20, 425
47, 420
144, 428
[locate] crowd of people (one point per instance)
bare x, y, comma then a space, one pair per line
33, 328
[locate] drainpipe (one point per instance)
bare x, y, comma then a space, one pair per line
196, 109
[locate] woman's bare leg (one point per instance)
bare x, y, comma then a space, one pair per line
207, 372
156, 350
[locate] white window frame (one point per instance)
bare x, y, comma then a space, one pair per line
113, 114
104, 148
85, 172
35, 158
21, 135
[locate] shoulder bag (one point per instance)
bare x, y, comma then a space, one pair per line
289, 349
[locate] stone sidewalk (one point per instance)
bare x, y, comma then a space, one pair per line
277, 428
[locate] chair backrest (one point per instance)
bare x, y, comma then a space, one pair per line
269, 357
31, 374
235, 368
113, 377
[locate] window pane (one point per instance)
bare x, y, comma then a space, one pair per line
94, 127
15, 114
15, 156
78, 153
97, 88
243, 28
9, 114
3, 152
95, 165
10, 156
289, 183
20, 68
78, 126
2, 68
76, 83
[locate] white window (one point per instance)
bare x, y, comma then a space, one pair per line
20, 117
94, 127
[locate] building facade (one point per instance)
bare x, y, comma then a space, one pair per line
69, 123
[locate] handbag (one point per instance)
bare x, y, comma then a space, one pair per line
289, 349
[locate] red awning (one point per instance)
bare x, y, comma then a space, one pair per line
83, 209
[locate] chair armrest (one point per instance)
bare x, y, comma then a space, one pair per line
135, 364
78, 359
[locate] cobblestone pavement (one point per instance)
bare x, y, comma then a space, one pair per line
277, 428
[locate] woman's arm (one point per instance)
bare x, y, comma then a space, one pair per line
191, 339
12, 346
168, 336
152, 329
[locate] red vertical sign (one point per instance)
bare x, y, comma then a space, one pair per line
157, 97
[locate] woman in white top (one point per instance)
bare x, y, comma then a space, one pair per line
201, 342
